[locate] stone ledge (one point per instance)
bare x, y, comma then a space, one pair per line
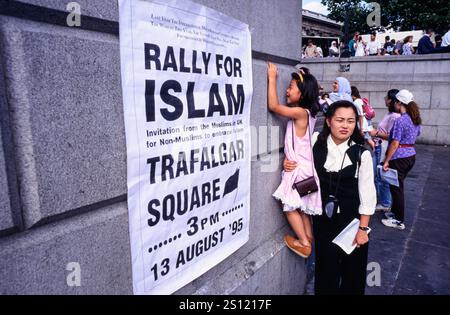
445, 56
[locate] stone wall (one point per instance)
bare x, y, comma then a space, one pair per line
426, 76
63, 156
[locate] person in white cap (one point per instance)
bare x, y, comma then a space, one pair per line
401, 154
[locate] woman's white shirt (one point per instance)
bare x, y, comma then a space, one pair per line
366, 185
359, 49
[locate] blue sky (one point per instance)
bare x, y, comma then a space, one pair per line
315, 5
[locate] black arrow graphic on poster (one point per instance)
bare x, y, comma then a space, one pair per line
232, 184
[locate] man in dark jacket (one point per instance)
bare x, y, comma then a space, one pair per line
425, 45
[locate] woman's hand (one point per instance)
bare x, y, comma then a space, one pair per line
272, 71
386, 166
289, 166
361, 238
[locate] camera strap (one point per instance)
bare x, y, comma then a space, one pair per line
342, 165
339, 176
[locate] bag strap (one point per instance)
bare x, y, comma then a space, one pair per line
308, 129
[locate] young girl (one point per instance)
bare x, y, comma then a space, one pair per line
303, 100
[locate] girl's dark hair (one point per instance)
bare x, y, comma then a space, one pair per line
326, 131
413, 111
391, 95
355, 92
305, 70
310, 92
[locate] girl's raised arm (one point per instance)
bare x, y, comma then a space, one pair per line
272, 97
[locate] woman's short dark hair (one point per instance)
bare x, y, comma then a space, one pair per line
326, 131
355, 92
391, 95
310, 92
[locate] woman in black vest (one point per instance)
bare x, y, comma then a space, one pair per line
345, 171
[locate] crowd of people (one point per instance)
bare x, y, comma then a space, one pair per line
335, 176
357, 47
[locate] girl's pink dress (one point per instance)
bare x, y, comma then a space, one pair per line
312, 203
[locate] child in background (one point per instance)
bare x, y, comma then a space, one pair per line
364, 124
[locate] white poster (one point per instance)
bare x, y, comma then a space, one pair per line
187, 88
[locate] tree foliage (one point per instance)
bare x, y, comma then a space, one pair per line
401, 15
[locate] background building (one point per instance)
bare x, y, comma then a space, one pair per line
316, 24
320, 29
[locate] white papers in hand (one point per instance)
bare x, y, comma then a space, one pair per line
390, 176
346, 238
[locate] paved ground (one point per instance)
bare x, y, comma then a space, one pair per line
417, 259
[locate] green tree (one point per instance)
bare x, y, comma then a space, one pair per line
354, 10
401, 15
406, 15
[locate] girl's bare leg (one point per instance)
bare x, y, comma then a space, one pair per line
307, 225
296, 221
